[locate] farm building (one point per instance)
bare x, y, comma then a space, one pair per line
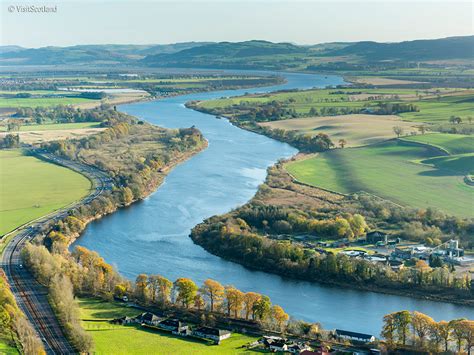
173, 325
353, 336
211, 333
148, 318
376, 236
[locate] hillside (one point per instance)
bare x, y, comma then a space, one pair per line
90, 54
436, 49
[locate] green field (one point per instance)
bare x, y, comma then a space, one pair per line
31, 188
451, 143
41, 101
133, 339
393, 170
54, 126
456, 102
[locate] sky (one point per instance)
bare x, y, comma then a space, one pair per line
302, 22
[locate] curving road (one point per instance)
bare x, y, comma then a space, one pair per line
31, 296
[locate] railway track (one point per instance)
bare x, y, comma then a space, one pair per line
31, 296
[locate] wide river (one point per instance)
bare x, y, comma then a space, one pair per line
152, 236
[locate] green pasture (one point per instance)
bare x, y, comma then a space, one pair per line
133, 339
393, 170
31, 188
41, 101
451, 143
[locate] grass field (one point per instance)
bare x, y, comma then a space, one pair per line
42, 101
31, 188
132, 339
55, 126
451, 143
355, 129
391, 170
458, 102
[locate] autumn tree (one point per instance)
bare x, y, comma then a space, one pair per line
250, 298
342, 143
422, 325
234, 300
443, 329
389, 328
185, 290
141, 283
261, 308
164, 286
214, 291
280, 317
402, 323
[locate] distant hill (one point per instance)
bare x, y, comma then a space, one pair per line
86, 54
254, 54
225, 54
434, 49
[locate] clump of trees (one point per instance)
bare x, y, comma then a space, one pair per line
10, 141
14, 327
319, 142
405, 330
68, 114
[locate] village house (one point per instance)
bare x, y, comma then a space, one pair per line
353, 336
212, 333
174, 325
148, 319
298, 348
278, 345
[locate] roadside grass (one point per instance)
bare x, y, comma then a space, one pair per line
356, 129
54, 126
31, 188
452, 143
133, 339
389, 170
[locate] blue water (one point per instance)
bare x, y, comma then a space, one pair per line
152, 236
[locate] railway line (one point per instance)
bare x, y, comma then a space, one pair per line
31, 296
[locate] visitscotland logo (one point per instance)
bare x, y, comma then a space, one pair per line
33, 9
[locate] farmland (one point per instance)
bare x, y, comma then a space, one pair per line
392, 170
434, 105
451, 143
356, 129
47, 187
133, 339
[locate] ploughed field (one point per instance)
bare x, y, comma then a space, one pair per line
413, 175
133, 339
31, 188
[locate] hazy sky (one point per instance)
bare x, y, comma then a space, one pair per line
304, 22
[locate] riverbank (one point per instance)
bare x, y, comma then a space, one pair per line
237, 237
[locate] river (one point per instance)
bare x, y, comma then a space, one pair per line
152, 236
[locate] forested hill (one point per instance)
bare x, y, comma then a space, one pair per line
87, 54
254, 54
437, 49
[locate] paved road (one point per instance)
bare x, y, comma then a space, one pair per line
29, 294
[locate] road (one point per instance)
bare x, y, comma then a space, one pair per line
30, 295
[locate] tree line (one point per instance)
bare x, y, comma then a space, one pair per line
414, 330
14, 326
232, 236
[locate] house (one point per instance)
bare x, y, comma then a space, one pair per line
376, 237
149, 318
353, 336
211, 333
173, 325
298, 348
278, 345
267, 340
